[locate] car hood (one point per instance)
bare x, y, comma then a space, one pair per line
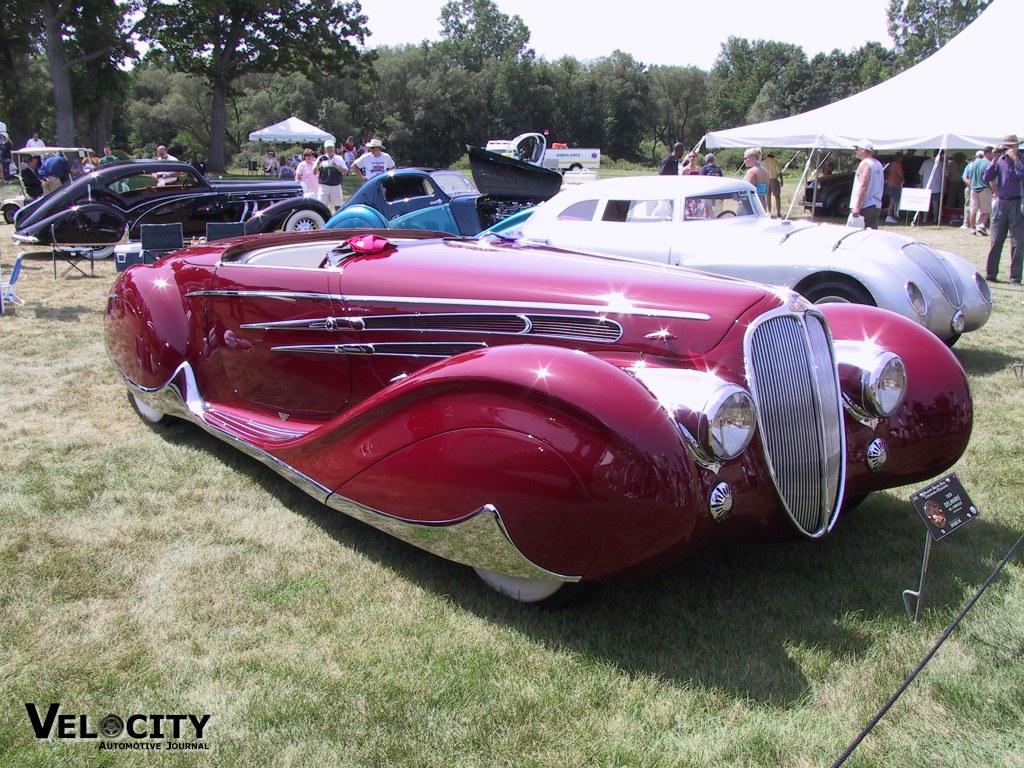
510, 179
692, 309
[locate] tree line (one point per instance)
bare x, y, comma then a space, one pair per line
199, 75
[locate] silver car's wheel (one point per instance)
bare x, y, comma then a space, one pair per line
304, 221
542, 592
9, 211
147, 412
837, 291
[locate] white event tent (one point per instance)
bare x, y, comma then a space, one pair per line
962, 96
291, 131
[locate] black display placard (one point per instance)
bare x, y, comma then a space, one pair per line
944, 506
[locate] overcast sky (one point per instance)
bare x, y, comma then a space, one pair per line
690, 33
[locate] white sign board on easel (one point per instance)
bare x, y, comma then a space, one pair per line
915, 199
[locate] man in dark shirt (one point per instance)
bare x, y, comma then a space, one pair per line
670, 165
30, 178
1008, 173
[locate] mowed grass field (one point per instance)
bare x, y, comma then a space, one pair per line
158, 571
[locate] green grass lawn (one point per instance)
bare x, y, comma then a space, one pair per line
158, 570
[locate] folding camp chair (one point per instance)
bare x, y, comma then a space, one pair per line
158, 240
7, 294
216, 230
72, 255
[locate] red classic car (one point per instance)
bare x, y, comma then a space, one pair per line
548, 418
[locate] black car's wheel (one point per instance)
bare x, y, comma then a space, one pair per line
842, 207
101, 253
837, 290
304, 221
9, 211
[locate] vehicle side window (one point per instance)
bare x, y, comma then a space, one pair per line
642, 211
148, 185
403, 187
581, 211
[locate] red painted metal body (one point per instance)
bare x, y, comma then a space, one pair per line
400, 382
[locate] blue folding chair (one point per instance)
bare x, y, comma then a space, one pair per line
217, 230
7, 293
159, 239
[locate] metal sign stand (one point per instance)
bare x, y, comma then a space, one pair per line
917, 597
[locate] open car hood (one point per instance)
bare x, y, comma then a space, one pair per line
509, 179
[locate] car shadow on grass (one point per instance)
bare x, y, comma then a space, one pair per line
983, 362
746, 620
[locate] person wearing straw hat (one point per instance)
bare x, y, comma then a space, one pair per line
1008, 174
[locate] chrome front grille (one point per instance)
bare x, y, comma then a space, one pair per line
792, 374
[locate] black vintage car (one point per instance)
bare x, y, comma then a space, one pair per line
833, 195
101, 207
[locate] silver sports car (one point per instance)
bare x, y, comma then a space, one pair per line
718, 225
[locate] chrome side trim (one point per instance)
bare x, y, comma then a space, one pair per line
599, 330
599, 309
479, 539
439, 349
602, 309
312, 324
281, 295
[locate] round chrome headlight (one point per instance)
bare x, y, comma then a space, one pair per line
884, 384
717, 417
917, 300
731, 420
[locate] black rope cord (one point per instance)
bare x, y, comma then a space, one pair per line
906, 683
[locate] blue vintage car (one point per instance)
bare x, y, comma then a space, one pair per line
445, 200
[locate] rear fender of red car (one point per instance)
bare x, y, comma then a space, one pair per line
146, 324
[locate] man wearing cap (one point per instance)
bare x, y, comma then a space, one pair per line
866, 197
980, 193
1008, 173
330, 170
374, 162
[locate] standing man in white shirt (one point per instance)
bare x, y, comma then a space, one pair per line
374, 162
866, 198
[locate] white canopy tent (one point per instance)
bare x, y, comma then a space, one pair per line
291, 131
953, 99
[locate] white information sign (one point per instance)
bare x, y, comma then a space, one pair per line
915, 199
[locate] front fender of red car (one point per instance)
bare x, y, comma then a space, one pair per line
930, 429
589, 474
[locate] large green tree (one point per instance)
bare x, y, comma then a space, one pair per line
920, 27
220, 40
475, 30
76, 34
679, 96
